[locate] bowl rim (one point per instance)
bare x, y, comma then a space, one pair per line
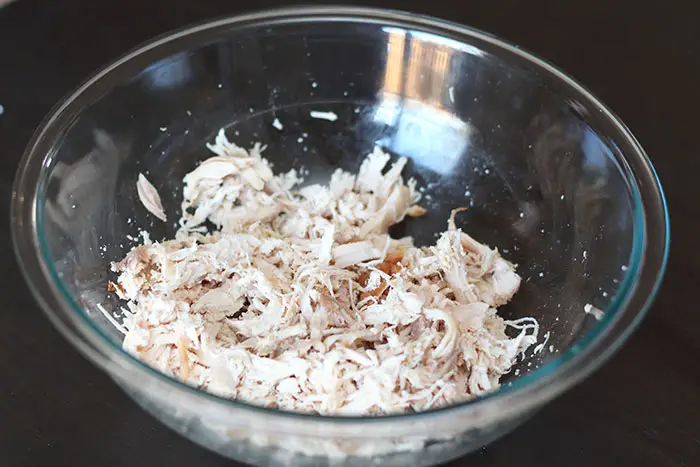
637, 290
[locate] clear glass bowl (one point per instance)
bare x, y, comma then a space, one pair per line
553, 179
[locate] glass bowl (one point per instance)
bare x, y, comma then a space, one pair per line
552, 178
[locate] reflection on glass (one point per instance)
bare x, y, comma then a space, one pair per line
446, 43
597, 155
83, 189
393, 75
169, 73
415, 85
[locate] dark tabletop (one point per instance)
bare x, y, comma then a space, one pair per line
641, 409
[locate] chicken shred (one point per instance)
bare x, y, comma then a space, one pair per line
300, 300
149, 197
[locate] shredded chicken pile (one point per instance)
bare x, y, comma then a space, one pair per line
300, 300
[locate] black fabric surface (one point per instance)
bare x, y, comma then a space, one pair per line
641, 409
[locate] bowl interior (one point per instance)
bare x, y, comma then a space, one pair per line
539, 168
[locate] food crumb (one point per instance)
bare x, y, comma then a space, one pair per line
330, 116
597, 313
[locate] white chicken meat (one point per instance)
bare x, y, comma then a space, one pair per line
300, 300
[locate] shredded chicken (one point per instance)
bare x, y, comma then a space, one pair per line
150, 198
300, 300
